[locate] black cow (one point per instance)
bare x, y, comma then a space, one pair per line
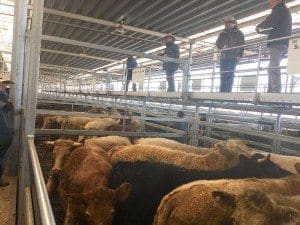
151, 181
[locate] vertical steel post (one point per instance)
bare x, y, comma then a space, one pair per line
258, 72
32, 59
17, 73
276, 145
143, 115
213, 72
195, 128
124, 77
187, 73
149, 78
209, 119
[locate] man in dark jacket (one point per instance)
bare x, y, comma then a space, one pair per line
131, 63
230, 37
171, 51
276, 25
5, 131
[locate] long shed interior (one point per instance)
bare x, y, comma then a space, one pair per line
67, 59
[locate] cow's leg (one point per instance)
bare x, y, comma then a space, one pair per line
53, 181
69, 216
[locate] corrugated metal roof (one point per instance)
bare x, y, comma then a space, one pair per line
180, 17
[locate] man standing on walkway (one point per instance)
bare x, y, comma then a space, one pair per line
276, 25
230, 37
131, 63
5, 124
171, 51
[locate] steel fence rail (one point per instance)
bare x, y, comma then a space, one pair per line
44, 206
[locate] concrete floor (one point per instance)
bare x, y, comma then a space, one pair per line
8, 202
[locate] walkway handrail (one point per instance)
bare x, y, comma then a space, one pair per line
44, 207
294, 36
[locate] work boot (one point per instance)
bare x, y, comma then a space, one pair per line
3, 183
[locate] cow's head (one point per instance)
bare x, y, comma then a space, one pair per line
99, 205
255, 208
268, 168
61, 150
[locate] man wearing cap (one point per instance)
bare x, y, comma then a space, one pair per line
230, 37
5, 124
276, 25
171, 51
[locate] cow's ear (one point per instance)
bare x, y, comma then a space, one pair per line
224, 198
48, 145
77, 199
123, 192
297, 167
77, 144
81, 139
257, 156
265, 159
288, 214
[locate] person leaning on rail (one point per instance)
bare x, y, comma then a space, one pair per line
171, 51
277, 25
6, 108
230, 37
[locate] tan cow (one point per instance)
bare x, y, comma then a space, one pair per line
218, 159
107, 143
101, 124
241, 146
254, 207
61, 149
164, 142
84, 188
53, 122
198, 203
76, 122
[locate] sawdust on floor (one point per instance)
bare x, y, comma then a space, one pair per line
8, 202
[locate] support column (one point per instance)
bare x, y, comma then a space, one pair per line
32, 65
17, 73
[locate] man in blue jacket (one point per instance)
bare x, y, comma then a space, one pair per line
171, 51
230, 37
276, 25
131, 63
5, 124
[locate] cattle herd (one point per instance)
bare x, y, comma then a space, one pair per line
112, 180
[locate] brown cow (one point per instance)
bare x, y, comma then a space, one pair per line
61, 150
76, 122
53, 122
167, 143
196, 202
83, 188
254, 207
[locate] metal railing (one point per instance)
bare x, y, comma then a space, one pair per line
154, 75
42, 210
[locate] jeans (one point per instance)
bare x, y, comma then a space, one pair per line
5, 141
170, 79
133, 86
227, 69
277, 52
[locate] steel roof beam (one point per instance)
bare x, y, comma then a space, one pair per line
108, 23
109, 49
79, 55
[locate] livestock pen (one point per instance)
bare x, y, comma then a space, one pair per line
68, 59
